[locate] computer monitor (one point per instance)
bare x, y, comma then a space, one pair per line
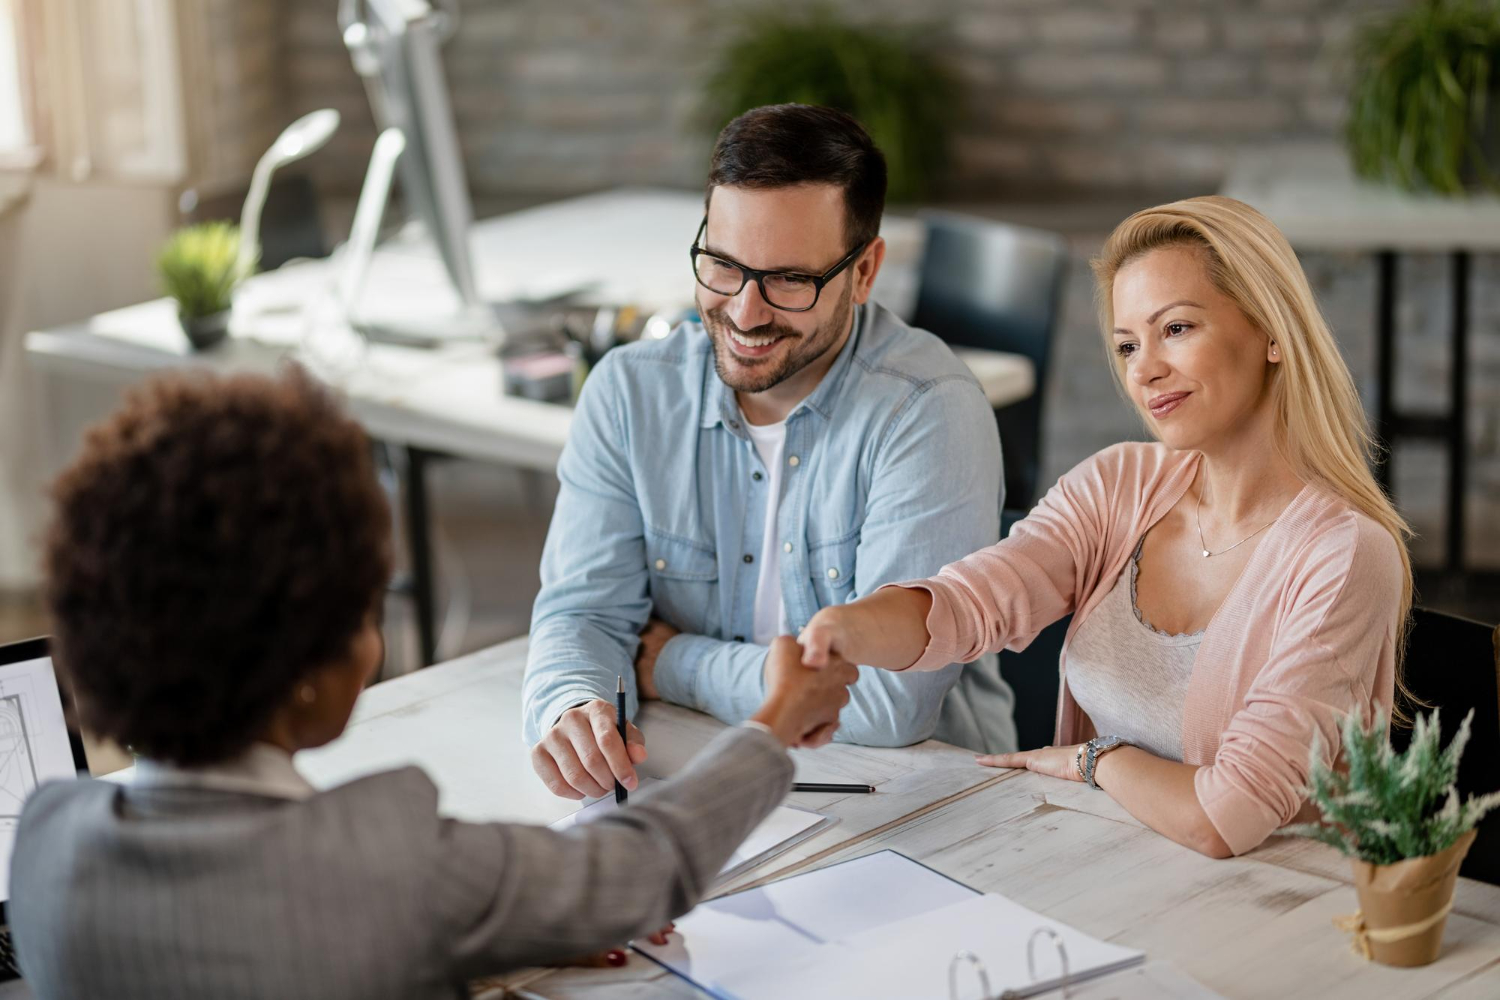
39, 738
396, 48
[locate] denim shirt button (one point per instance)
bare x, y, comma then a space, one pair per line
756, 476
833, 573
786, 547
749, 558
661, 564
794, 461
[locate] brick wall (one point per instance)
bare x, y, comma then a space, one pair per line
232, 68
1131, 94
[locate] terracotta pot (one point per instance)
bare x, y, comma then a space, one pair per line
1405, 905
205, 331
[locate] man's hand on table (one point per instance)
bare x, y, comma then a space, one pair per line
654, 637
582, 756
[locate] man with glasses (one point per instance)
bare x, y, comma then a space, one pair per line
799, 447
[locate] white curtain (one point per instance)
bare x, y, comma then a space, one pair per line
20, 462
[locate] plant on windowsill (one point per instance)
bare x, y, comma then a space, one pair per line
886, 78
1424, 106
1399, 819
200, 268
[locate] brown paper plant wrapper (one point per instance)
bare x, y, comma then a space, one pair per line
1403, 907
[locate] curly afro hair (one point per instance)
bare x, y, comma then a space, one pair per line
216, 541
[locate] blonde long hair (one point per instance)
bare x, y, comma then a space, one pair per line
1320, 425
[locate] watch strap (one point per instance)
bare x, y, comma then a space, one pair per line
1095, 750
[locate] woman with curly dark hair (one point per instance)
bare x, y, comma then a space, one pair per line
215, 568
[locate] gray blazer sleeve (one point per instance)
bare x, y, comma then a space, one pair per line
511, 895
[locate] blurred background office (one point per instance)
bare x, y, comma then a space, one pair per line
123, 120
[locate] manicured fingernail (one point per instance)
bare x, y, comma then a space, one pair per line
615, 957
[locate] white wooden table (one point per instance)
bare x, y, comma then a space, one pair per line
1318, 203
1256, 926
627, 246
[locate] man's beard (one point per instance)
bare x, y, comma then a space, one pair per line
747, 376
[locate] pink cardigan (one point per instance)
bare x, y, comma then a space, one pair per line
1308, 632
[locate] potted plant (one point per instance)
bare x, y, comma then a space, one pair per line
1399, 818
886, 79
200, 268
1424, 108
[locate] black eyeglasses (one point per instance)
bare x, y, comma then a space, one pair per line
789, 291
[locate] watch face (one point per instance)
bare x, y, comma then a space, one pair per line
1108, 743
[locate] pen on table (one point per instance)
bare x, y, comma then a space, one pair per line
620, 794
820, 786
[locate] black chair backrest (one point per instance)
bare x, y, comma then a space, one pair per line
998, 287
1032, 673
1454, 664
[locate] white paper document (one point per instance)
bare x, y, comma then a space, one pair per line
881, 927
782, 830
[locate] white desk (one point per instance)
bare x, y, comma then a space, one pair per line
626, 246
450, 400
1315, 199
461, 722
1257, 926
1318, 203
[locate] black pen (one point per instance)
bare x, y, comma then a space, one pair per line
620, 794
819, 786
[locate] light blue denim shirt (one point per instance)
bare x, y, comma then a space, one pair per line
892, 471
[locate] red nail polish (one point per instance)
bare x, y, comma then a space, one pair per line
615, 957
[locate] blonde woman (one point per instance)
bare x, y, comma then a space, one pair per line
1235, 586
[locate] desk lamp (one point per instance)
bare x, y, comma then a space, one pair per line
303, 136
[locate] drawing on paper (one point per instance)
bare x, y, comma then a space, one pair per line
17, 765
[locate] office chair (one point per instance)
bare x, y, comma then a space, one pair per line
1032, 673
998, 287
1454, 664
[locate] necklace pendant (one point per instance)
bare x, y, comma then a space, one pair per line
1205, 553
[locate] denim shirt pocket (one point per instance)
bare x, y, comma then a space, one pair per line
831, 566
684, 581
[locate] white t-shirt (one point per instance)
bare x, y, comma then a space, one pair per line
770, 615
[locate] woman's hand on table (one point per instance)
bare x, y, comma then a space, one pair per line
1057, 762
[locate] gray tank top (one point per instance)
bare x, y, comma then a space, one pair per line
1131, 679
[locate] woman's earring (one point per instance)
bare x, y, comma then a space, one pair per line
308, 694
1273, 348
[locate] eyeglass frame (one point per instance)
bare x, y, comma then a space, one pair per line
820, 281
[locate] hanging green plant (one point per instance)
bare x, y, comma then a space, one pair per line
886, 79
1424, 108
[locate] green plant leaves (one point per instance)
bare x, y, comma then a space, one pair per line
1422, 95
1382, 806
199, 267
885, 79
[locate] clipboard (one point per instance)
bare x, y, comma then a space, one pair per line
878, 926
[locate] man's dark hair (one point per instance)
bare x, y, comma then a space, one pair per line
216, 541
780, 145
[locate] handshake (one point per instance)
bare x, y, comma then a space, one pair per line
582, 755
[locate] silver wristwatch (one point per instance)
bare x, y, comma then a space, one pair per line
1096, 748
